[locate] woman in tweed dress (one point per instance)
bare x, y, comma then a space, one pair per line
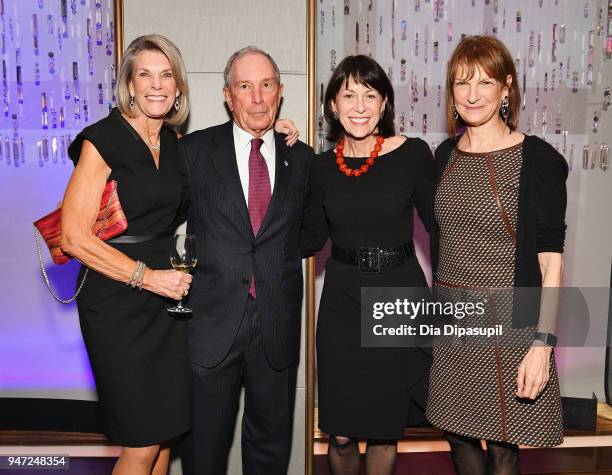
499, 224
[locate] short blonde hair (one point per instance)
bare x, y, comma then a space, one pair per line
153, 42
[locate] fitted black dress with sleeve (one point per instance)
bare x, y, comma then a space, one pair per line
368, 393
138, 352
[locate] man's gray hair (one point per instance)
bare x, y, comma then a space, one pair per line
243, 52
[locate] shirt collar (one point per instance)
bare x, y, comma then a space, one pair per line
242, 139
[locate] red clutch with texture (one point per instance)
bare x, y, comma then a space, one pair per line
111, 222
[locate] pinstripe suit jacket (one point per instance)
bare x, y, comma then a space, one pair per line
229, 254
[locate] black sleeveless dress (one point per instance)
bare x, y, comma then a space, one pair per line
367, 392
138, 352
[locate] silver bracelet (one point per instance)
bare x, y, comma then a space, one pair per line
130, 282
141, 276
137, 275
131, 279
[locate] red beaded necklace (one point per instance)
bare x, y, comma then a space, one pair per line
357, 172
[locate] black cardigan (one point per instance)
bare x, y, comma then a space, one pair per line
540, 223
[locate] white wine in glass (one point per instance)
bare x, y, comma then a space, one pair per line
183, 257
185, 268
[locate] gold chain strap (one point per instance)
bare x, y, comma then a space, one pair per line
42, 265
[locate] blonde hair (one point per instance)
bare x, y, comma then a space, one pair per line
490, 54
153, 42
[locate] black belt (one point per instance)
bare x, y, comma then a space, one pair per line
372, 259
137, 239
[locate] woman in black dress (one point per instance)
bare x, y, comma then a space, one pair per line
499, 224
138, 353
362, 193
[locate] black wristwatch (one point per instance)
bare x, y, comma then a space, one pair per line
546, 338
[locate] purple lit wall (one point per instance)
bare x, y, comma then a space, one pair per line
57, 77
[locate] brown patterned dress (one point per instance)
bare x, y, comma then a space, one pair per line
473, 384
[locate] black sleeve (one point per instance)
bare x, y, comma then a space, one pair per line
307, 170
551, 200
315, 227
184, 160
442, 157
184, 176
424, 183
98, 134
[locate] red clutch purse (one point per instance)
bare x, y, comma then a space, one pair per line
110, 222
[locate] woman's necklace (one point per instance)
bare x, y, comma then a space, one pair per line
357, 172
146, 139
154, 147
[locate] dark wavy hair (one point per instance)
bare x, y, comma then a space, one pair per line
363, 70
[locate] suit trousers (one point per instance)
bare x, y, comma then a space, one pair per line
269, 397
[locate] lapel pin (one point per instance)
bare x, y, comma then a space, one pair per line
286, 163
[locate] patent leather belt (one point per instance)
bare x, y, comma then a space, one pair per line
138, 239
372, 259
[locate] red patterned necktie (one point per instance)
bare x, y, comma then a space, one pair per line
259, 192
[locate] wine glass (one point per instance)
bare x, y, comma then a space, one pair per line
183, 257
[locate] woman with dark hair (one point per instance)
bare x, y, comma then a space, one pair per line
498, 224
362, 196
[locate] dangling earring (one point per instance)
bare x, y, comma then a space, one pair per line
177, 103
455, 113
336, 115
132, 102
504, 109
382, 113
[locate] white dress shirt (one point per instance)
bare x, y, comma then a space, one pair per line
242, 146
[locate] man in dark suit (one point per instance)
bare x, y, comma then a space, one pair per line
246, 190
